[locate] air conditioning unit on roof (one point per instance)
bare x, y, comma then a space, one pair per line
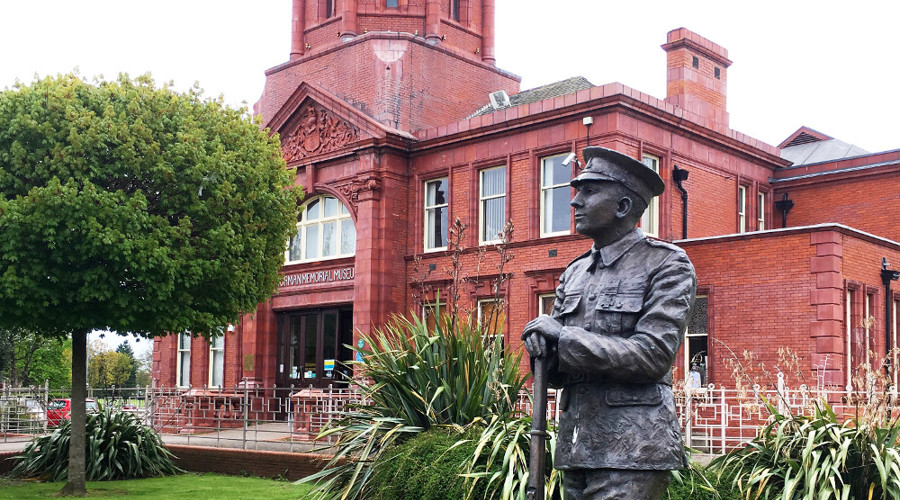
499, 99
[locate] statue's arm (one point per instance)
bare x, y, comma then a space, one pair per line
646, 354
550, 354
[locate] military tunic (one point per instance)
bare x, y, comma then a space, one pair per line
624, 310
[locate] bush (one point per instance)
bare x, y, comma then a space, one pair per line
453, 375
799, 457
701, 483
427, 466
118, 447
499, 464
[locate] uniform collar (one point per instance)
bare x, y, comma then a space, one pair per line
611, 253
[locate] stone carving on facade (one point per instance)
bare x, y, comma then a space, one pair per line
317, 131
352, 189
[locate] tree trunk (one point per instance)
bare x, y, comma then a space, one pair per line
77, 441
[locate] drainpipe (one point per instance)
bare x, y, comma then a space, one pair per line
887, 275
785, 205
680, 175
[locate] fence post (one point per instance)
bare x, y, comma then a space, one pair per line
149, 408
246, 404
689, 418
724, 408
783, 404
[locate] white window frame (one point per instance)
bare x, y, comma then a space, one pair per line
761, 211
650, 217
183, 356
546, 212
540, 302
341, 215
869, 306
433, 208
742, 209
501, 303
482, 203
848, 331
216, 357
687, 345
435, 307
894, 333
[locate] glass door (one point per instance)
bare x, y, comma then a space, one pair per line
312, 347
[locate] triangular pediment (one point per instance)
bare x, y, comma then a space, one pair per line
315, 123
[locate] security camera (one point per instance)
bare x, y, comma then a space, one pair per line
569, 158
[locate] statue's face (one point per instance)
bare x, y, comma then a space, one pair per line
596, 203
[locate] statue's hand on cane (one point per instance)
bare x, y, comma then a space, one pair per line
541, 336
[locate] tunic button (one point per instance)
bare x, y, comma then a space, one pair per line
582, 389
619, 305
592, 296
587, 326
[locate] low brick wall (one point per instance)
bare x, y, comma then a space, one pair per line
291, 466
6, 464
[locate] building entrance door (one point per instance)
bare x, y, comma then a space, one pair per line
311, 347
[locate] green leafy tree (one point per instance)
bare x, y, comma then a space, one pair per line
125, 349
109, 368
27, 358
133, 208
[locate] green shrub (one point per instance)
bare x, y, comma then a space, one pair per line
118, 447
800, 457
701, 483
427, 466
499, 464
453, 375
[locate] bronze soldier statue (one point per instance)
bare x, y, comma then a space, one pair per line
620, 315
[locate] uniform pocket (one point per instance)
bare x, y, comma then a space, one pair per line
570, 304
630, 303
637, 395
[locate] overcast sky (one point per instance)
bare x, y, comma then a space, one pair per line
832, 66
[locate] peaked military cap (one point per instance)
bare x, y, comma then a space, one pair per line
601, 164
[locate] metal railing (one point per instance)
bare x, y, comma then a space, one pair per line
713, 419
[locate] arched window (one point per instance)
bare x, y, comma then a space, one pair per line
324, 231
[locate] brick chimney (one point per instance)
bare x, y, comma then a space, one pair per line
697, 75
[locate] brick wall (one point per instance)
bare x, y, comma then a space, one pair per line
759, 297
6, 465
399, 80
291, 466
786, 289
867, 199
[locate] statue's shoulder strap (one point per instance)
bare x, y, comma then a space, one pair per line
664, 245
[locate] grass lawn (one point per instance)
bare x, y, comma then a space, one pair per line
186, 486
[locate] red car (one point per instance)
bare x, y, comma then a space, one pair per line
59, 410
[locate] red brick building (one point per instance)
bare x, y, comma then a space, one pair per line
396, 120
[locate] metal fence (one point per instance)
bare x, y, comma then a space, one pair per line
713, 419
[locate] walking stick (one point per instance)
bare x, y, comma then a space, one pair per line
538, 431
